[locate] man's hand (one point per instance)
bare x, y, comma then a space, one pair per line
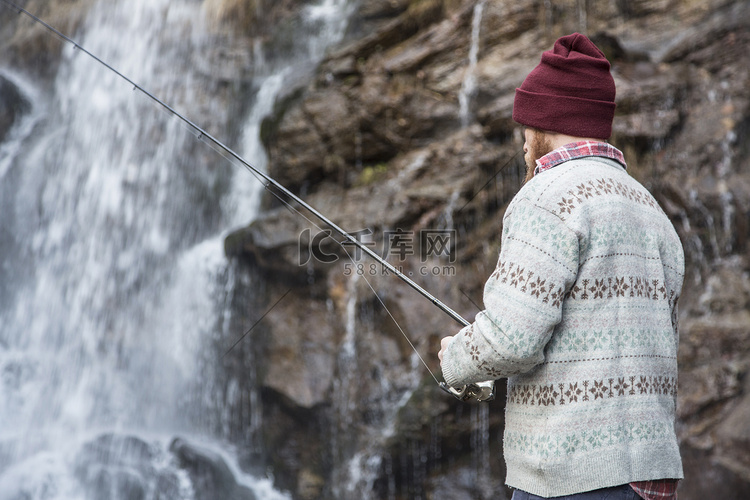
444, 343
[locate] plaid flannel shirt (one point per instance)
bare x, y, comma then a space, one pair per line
660, 489
576, 150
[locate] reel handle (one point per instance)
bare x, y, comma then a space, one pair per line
481, 391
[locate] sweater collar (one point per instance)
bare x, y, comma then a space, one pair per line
580, 149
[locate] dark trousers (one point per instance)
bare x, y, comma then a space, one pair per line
624, 492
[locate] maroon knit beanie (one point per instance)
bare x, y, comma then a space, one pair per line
571, 91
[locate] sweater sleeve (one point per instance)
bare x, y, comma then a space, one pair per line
523, 299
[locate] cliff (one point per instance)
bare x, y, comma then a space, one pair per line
403, 136
402, 130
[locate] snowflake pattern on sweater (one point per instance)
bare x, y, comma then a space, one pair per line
580, 316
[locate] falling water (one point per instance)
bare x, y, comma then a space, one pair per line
726, 198
468, 86
345, 391
583, 11
119, 278
695, 242
355, 472
450, 208
480, 445
710, 225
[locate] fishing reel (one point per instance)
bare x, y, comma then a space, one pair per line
481, 391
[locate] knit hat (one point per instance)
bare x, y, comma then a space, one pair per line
571, 91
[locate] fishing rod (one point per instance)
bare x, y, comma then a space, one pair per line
483, 391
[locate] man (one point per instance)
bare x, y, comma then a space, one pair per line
581, 308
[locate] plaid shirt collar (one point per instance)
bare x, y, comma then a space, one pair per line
579, 149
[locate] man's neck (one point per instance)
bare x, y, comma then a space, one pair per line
559, 140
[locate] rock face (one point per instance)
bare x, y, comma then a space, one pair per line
12, 106
127, 467
210, 475
400, 130
404, 137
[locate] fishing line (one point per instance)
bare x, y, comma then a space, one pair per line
489, 180
471, 300
483, 391
377, 296
382, 303
256, 323
294, 210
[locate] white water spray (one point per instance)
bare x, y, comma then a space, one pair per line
469, 84
120, 282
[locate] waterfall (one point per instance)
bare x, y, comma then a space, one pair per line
726, 198
359, 449
450, 208
468, 86
480, 444
583, 11
345, 391
119, 283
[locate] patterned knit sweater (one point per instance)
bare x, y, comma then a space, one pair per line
581, 318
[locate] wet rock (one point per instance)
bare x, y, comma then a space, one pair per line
707, 477
210, 475
13, 105
123, 467
384, 110
310, 485
301, 362
31, 46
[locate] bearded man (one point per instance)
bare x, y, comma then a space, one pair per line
581, 310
